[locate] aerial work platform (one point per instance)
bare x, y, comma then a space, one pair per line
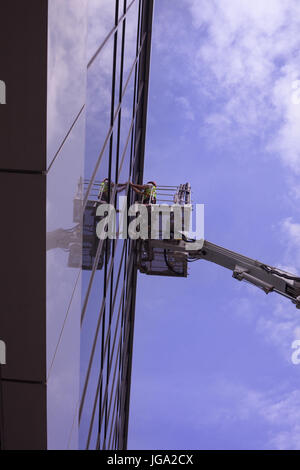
159, 255
170, 257
166, 250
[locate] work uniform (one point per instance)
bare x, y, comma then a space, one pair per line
149, 196
103, 191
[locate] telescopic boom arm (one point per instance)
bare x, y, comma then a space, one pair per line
265, 277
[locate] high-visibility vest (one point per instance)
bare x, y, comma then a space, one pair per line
150, 191
104, 187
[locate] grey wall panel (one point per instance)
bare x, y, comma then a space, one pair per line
24, 420
22, 275
23, 68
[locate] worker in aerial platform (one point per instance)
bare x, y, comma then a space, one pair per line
103, 194
148, 191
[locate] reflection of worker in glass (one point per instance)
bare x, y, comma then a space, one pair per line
104, 191
103, 195
148, 191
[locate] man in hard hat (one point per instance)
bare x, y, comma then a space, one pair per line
103, 194
148, 191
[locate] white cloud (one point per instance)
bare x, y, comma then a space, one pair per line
292, 230
279, 331
273, 317
250, 50
244, 54
186, 106
287, 140
278, 320
279, 410
290, 235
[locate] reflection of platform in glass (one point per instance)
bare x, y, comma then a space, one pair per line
90, 240
75, 253
162, 259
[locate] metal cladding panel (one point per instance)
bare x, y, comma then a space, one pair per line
23, 70
23, 421
23, 79
23, 275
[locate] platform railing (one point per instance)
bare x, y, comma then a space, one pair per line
165, 194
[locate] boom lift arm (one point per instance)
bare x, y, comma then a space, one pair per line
169, 256
265, 277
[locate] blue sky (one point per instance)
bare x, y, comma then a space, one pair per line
212, 357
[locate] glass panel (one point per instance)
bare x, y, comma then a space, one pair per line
118, 62
64, 233
98, 126
131, 37
101, 20
95, 381
66, 69
90, 322
127, 105
63, 381
99, 84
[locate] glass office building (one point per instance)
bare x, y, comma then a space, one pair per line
76, 78
119, 45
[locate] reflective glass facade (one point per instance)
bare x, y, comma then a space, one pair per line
77, 117
119, 34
